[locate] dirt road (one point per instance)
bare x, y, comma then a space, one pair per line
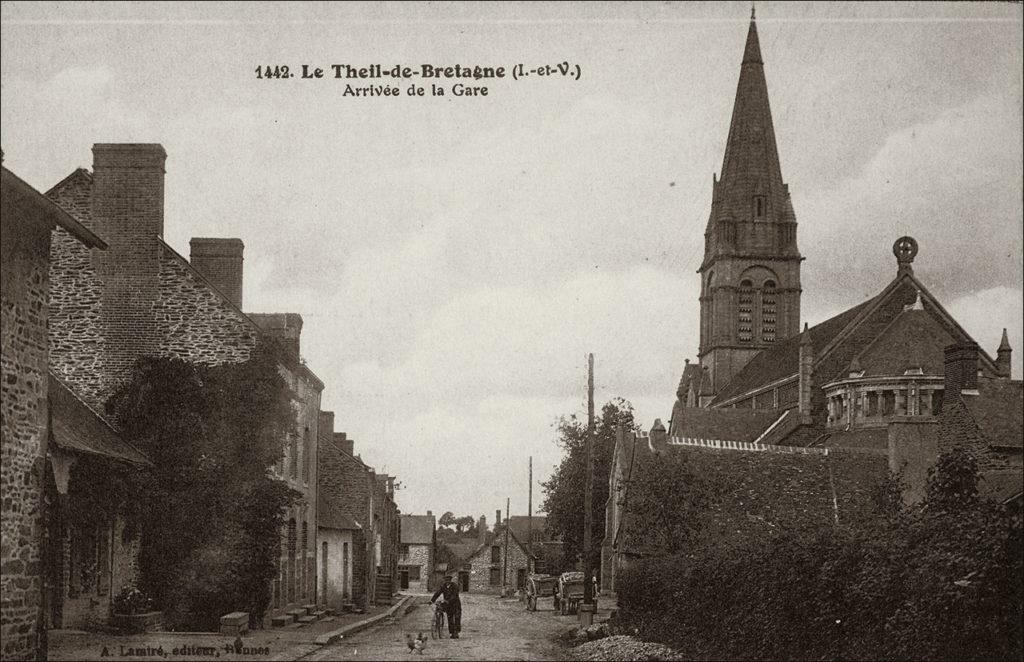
492, 629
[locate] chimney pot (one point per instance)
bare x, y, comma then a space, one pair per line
961, 368
220, 262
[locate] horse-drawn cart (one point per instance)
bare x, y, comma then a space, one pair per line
540, 586
570, 592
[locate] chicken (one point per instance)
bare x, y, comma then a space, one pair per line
420, 643
410, 642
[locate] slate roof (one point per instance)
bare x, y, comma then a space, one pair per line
721, 424
863, 439
520, 525
913, 340
330, 517
837, 341
1002, 486
998, 409
78, 429
418, 529
19, 192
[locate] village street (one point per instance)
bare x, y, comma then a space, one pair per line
492, 629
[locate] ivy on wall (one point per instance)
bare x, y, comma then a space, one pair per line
209, 513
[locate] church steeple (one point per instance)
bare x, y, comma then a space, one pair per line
750, 291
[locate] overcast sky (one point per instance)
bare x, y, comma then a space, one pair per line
454, 259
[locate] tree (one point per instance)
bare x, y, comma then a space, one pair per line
447, 520
565, 491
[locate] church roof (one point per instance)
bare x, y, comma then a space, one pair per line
852, 333
720, 424
998, 410
781, 361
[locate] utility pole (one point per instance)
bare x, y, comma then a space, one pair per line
588, 607
529, 521
504, 565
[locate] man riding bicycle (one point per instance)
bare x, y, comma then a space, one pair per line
451, 605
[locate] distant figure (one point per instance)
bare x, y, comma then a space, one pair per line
451, 605
597, 586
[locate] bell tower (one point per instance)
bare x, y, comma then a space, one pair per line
750, 275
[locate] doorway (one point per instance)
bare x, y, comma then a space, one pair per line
403, 577
521, 578
464, 581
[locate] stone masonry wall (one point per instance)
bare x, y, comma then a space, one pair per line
77, 343
196, 323
481, 565
422, 556
24, 290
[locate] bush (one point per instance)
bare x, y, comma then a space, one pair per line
131, 600
942, 580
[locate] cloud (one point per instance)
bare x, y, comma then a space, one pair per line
985, 313
950, 182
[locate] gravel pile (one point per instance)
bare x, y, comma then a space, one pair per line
624, 647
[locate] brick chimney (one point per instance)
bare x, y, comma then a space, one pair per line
220, 262
1003, 355
497, 519
658, 436
961, 369
324, 427
286, 327
806, 370
128, 212
342, 441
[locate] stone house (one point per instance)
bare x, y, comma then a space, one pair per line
485, 569
89, 558
140, 297
361, 512
545, 547
416, 552
27, 220
341, 540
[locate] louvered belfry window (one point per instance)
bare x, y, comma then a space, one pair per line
745, 326
768, 307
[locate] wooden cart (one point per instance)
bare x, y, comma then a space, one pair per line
570, 592
538, 587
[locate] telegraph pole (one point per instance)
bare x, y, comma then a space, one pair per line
504, 566
588, 607
529, 522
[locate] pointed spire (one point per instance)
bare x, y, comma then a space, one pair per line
1004, 344
752, 52
805, 337
750, 166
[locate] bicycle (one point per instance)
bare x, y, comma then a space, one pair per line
437, 630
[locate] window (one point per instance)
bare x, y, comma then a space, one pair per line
403, 550
759, 206
495, 579
414, 573
745, 328
306, 454
293, 456
495, 554
768, 312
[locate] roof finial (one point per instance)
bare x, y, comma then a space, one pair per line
752, 16
905, 249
